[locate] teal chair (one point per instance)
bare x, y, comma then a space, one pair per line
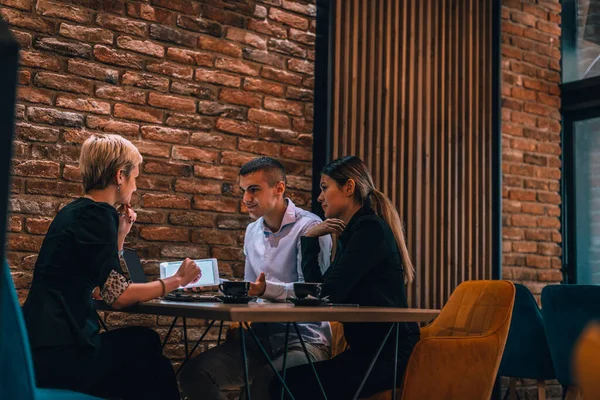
17, 380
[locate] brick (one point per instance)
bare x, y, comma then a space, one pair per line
524, 220
32, 206
220, 46
522, 118
136, 113
172, 102
306, 9
524, 18
260, 85
141, 46
71, 173
218, 141
19, 111
51, 188
191, 219
15, 224
21, 20
538, 261
535, 184
145, 81
172, 35
200, 25
154, 183
217, 78
288, 19
149, 13
194, 154
287, 106
218, 109
165, 201
548, 173
65, 48
523, 94
221, 204
237, 66
85, 34
279, 135
197, 186
121, 93
174, 70
198, 91
236, 127
86, 104
24, 5
63, 83
549, 222
55, 152
241, 97
33, 95
21, 242
550, 276
120, 24
93, 70
110, 56
112, 126
35, 133
150, 217
232, 222
245, 37
551, 198
296, 152
268, 118
164, 234
227, 253
259, 147
306, 38
190, 121
211, 236
214, 172
190, 57
164, 134
61, 10
224, 17
281, 76
260, 11
264, 57
54, 117
524, 247
535, 159
286, 47
184, 6
538, 109
180, 252
164, 168
24, 39
38, 169
153, 149
39, 60
300, 94
264, 26
549, 27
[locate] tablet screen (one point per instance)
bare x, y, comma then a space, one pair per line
206, 267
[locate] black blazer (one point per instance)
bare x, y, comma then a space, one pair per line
367, 270
78, 254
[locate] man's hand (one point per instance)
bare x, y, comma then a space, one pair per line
257, 288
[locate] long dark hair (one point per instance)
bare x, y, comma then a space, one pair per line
351, 167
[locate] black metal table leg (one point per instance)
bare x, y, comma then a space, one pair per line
396, 361
195, 346
185, 341
262, 349
312, 365
285, 351
373, 361
245, 362
220, 333
169, 332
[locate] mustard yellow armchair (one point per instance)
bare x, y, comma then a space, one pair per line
586, 362
459, 354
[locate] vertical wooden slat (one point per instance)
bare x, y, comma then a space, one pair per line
412, 97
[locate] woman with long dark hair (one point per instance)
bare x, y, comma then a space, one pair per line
371, 267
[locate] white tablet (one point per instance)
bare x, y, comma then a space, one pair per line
208, 267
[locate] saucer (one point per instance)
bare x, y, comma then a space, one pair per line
235, 299
308, 301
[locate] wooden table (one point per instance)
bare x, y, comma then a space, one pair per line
283, 313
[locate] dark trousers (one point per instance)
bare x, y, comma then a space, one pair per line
342, 375
128, 363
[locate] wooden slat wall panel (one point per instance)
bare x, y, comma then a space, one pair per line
412, 97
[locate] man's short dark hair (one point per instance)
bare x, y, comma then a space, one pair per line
270, 165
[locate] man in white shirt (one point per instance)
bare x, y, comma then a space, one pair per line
273, 264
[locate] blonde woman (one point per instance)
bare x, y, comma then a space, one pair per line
370, 268
79, 259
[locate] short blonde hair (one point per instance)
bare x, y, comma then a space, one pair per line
102, 156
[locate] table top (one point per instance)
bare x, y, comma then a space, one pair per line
277, 312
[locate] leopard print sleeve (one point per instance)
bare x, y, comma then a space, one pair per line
114, 287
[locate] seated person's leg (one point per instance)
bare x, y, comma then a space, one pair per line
295, 357
206, 375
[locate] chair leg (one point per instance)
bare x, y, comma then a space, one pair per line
512, 388
541, 385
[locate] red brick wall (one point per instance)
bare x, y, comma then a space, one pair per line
200, 86
531, 126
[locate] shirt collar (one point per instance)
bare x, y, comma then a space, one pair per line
290, 217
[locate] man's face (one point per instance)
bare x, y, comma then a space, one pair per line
258, 197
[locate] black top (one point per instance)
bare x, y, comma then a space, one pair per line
367, 270
78, 254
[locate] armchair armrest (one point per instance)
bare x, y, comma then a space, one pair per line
452, 367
